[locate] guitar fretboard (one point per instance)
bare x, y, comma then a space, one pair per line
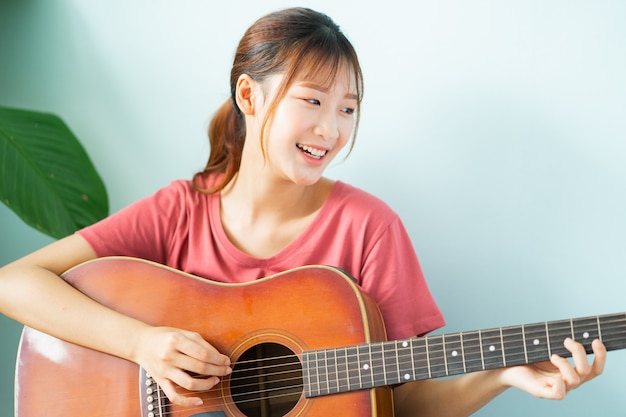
365, 366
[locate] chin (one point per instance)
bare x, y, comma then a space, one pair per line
306, 181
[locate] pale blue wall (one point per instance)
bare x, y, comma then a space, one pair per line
496, 130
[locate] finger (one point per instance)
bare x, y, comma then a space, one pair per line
177, 398
200, 367
599, 353
191, 383
203, 344
556, 388
568, 373
198, 348
202, 358
581, 362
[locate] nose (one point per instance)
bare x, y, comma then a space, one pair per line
327, 126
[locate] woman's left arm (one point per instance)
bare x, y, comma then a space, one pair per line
465, 395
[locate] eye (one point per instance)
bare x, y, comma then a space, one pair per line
348, 110
312, 101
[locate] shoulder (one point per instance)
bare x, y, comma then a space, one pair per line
360, 202
181, 189
176, 199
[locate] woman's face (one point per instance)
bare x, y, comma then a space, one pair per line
309, 127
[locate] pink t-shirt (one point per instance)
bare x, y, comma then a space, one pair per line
355, 231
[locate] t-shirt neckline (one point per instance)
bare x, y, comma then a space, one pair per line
281, 256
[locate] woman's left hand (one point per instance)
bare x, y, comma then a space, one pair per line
554, 379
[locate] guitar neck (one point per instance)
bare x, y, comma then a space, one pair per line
372, 365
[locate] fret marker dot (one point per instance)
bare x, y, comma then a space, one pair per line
492, 348
366, 367
586, 335
455, 353
536, 342
405, 344
407, 376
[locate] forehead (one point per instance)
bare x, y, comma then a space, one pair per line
328, 78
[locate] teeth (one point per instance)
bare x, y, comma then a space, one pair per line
316, 153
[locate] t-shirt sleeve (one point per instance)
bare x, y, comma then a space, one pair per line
140, 230
393, 276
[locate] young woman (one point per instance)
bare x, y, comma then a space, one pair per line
260, 207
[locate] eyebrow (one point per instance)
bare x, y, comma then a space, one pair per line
325, 90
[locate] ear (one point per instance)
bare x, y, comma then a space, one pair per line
245, 94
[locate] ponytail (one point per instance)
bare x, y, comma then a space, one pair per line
227, 133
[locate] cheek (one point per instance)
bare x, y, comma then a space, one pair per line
345, 131
290, 120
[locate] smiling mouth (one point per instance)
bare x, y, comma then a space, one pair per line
312, 152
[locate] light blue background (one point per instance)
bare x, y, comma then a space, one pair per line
496, 129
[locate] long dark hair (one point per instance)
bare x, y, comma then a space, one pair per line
294, 42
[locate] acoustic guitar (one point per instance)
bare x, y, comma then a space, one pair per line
306, 342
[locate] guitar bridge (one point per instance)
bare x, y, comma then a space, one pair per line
153, 401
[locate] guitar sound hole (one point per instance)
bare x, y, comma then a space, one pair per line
266, 381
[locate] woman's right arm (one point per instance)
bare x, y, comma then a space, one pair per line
33, 293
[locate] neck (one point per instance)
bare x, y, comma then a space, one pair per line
262, 217
255, 197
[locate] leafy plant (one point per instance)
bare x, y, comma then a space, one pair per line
46, 176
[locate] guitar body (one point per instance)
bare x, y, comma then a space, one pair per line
283, 315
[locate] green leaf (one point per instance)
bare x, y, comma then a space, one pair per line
46, 176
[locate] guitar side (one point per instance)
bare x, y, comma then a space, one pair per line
302, 309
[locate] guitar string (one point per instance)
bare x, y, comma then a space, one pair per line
420, 360
439, 349
537, 331
566, 329
213, 402
486, 339
610, 335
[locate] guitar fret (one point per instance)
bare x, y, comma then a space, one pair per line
463, 352
492, 349
557, 332
406, 366
390, 363
354, 373
502, 347
454, 354
325, 373
379, 374
536, 344
316, 368
311, 371
437, 357
548, 340
445, 354
343, 379
513, 341
331, 369
482, 356
472, 352
397, 357
365, 368
524, 342
430, 373
412, 355
421, 359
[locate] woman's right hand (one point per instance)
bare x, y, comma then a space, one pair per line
32, 292
169, 355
